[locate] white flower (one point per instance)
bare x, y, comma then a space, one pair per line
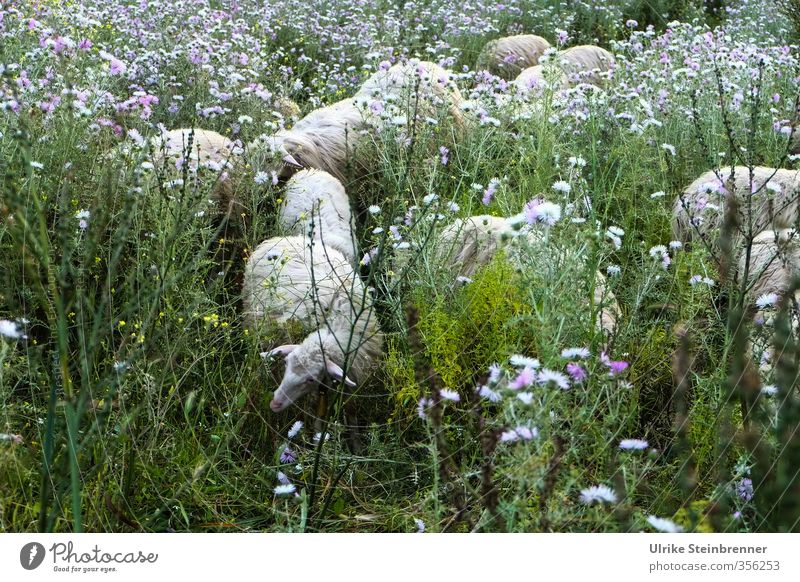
420, 525
769, 390
488, 394
10, 329
633, 444
37, 165
616, 231
509, 436
525, 397
766, 300
524, 362
296, 428
494, 373
262, 178
658, 251
664, 525
659, 194
668, 148
571, 353
675, 244
453, 207
285, 489
613, 270
374, 209
599, 494
526, 433
463, 280
562, 186
430, 199
546, 376
451, 395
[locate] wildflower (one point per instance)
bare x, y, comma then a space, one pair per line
430, 199
664, 525
374, 209
615, 231
659, 194
599, 494
262, 178
615, 367
11, 438
668, 148
525, 397
630, 23
526, 433
369, 256
633, 444
494, 373
420, 525
524, 379
10, 329
767, 300
675, 244
546, 376
288, 456
509, 436
571, 353
450, 395
285, 489
463, 280
562, 186
744, 489
37, 165
296, 427
453, 207
577, 373
488, 194
488, 394
519, 361
613, 270
83, 217
282, 478
769, 390
577, 162
444, 155
542, 212
421, 406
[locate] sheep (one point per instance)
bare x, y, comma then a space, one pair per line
327, 137
314, 197
774, 261
698, 212
470, 243
540, 76
424, 85
324, 139
585, 63
286, 279
507, 57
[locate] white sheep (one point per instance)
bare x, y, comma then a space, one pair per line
294, 279
328, 137
470, 243
774, 261
423, 88
699, 211
585, 63
324, 139
315, 199
540, 77
507, 57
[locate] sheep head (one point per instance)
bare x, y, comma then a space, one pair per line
306, 368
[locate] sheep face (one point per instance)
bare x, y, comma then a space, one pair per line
275, 153
304, 372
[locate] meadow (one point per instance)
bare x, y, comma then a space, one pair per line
133, 396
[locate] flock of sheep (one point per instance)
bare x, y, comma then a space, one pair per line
310, 273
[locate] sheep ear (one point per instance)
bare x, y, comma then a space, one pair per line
284, 351
335, 371
292, 161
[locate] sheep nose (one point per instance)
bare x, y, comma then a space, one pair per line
277, 405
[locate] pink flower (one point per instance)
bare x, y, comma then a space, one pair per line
614, 367
576, 371
525, 378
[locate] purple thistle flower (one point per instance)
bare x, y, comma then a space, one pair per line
288, 456
577, 373
525, 378
744, 489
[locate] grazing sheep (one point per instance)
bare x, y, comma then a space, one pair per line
327, 137
288, 279
699, 211
314, 197
584, 63
324, 139
507, 57
539, 77
471, 243
774, 260
424, 86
